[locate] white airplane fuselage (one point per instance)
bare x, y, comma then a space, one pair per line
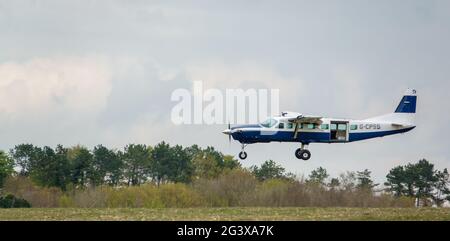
332, 130
295, 127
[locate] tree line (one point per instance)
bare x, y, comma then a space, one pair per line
77, 167
136, 164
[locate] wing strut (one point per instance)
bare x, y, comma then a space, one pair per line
296, 130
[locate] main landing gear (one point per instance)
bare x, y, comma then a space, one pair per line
303, 153
243, 154
300, 153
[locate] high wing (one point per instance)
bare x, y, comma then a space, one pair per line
304, 119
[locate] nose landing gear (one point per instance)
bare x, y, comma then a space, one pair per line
303, 153
243, 154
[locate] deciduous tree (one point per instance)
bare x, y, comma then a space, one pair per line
6, 167
23, 155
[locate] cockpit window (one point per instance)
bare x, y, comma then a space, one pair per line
269, 123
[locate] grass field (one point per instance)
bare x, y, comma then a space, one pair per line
227, 214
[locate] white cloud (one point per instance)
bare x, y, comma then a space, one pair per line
45, 85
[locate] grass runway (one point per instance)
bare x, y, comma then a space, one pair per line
230, 214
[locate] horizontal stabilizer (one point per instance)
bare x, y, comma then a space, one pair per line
404, 114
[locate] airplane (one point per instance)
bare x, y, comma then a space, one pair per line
307, 129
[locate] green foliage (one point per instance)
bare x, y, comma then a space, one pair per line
6, 167
229, 162
269, 170
206, 166
23, 156
81, 166
78, 167
170, 164
10, 201
318, 176
396, 181
418, 180
364, 180
50, 167
173, 176
107, 166
137, 162
207, 163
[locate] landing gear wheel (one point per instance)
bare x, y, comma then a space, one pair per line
298, 153
302, 154
242, 155
306, 155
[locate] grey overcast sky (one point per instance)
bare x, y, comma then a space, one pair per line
90, 72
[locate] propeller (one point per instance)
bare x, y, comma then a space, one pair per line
229, 136
228, 132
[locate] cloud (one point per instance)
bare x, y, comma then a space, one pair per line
103, 72
45, 85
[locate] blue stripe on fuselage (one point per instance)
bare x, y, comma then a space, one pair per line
255, 136
245, 126
367, 135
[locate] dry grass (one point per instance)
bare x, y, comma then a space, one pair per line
232, 189
251, 213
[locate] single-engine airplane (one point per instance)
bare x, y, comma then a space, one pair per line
306, 129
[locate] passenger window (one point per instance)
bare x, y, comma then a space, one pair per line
333, 127
290, 125
281, 125
353, 127
310, 126
324, 126
342, 127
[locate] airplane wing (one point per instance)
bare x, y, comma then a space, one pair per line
304, 119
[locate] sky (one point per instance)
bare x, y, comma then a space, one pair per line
102, 72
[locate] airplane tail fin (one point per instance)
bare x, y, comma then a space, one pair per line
408, 102
404, 113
